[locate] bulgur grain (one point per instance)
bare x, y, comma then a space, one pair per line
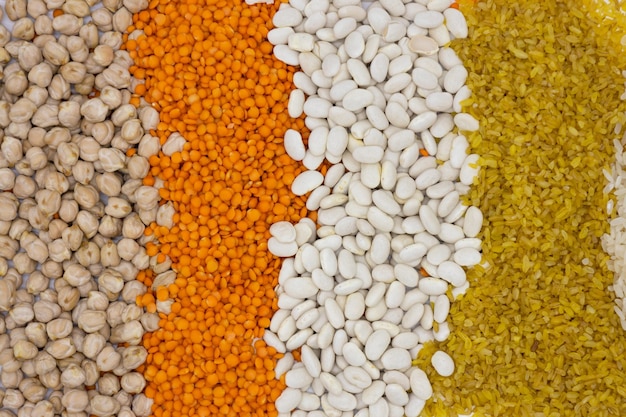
536, 334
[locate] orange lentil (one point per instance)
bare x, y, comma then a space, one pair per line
208, 69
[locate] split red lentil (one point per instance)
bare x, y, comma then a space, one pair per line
209, 70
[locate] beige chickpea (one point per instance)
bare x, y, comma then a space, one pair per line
16, 278
11, 379
55, 181
119, 143
36, 249
5, 227
18, 131
49, 200
95, 69
88, 254
44, 363
148, 146
7, 179
8, 361
133, 382
73, 72
36, 157
93, 345
111, 159
102, 18
122, 19
23, 29
29, 55
89, 149
108, 384
125, 399
43, 25
5, 57
59, 88
131, 131
102, 405
131, 290
12, 149
46, 116
32, 390
112, 97
85, 87
75, 400
127, 270
108, 359
36, 94
86, 195
24, 187
69, 114
122, 58
116, 75
23, 263
127, 248
55, 400
54, 52
118, 207
76, 7
94, 110
150, 321
147, 197
123, 114
149, 117
13, 398
5, 107
15, 83
134, 356
88, 223
110, 282
7, 294
24, 350
56, 227
73, 237
42, 39
132, 226
77, 49
142, 405
68, 210
130, 333
46, 311
37, 283
67, 24
36, 334
5, 36
72, 376
43, 409
58, 251
61, 348
92, 320
110, 227
132, 312
51, 269
23, 296
103, 55
76, 275
22, 313
51, 380
59, 328
109, 184
22, 110
112, 5
36, 8
85, 289
15, 9
83, 172
97, 301
41, 75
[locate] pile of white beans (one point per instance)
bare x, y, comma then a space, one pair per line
378, 87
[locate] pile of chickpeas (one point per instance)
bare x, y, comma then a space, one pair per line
75, 147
